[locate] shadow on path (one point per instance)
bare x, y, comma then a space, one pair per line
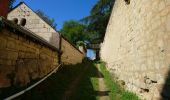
75, 80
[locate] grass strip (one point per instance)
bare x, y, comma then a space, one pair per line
116, 91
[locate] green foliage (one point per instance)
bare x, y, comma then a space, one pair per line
11, 3
98, 19
46, 18
116, 91
80, 43
93, 27
74, 31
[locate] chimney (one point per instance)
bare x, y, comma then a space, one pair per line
4, 8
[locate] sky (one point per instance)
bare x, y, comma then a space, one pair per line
63, 10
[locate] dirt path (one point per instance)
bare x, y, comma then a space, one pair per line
102, 92
102, 87
73, 86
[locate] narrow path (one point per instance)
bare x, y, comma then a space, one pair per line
103, 92
73, 86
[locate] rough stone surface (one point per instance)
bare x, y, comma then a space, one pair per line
70, 55
21, 62
34, 23
136, 45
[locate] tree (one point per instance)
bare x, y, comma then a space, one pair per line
74, 31
11, 3
98, 19
46, 18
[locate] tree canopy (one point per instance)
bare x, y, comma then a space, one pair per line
91, 28
11, 3
98, 19
74, 31
46, 18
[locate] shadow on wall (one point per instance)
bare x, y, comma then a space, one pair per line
54, 40
56, 86
166, 88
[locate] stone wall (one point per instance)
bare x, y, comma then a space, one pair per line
70, 54
36, 24
136, 45
23, 58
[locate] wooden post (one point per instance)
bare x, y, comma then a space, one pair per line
97, 54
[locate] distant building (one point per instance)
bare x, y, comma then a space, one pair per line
4, 8
25, 16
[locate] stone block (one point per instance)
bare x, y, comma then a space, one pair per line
7, 62
5, 71
32, 66
12, 44
3, 42
8, 54
4, 81
21, 55
30, 55
22, 75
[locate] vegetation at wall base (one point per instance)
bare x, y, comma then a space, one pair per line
88, 85
116, 91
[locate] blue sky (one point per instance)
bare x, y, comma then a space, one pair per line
62, 10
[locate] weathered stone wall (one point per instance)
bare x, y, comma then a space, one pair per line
34, 23
136, 45
23, 59
70, 54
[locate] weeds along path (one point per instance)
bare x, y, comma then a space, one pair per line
73, 86
103, 95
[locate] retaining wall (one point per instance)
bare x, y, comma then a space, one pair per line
23, 56
136, 46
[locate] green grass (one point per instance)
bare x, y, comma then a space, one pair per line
88, 84
116, 92
54, 87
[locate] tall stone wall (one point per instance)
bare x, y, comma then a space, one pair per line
70, 54
136, 45
23, 59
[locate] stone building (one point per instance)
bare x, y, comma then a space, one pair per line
136, 47
26, 17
